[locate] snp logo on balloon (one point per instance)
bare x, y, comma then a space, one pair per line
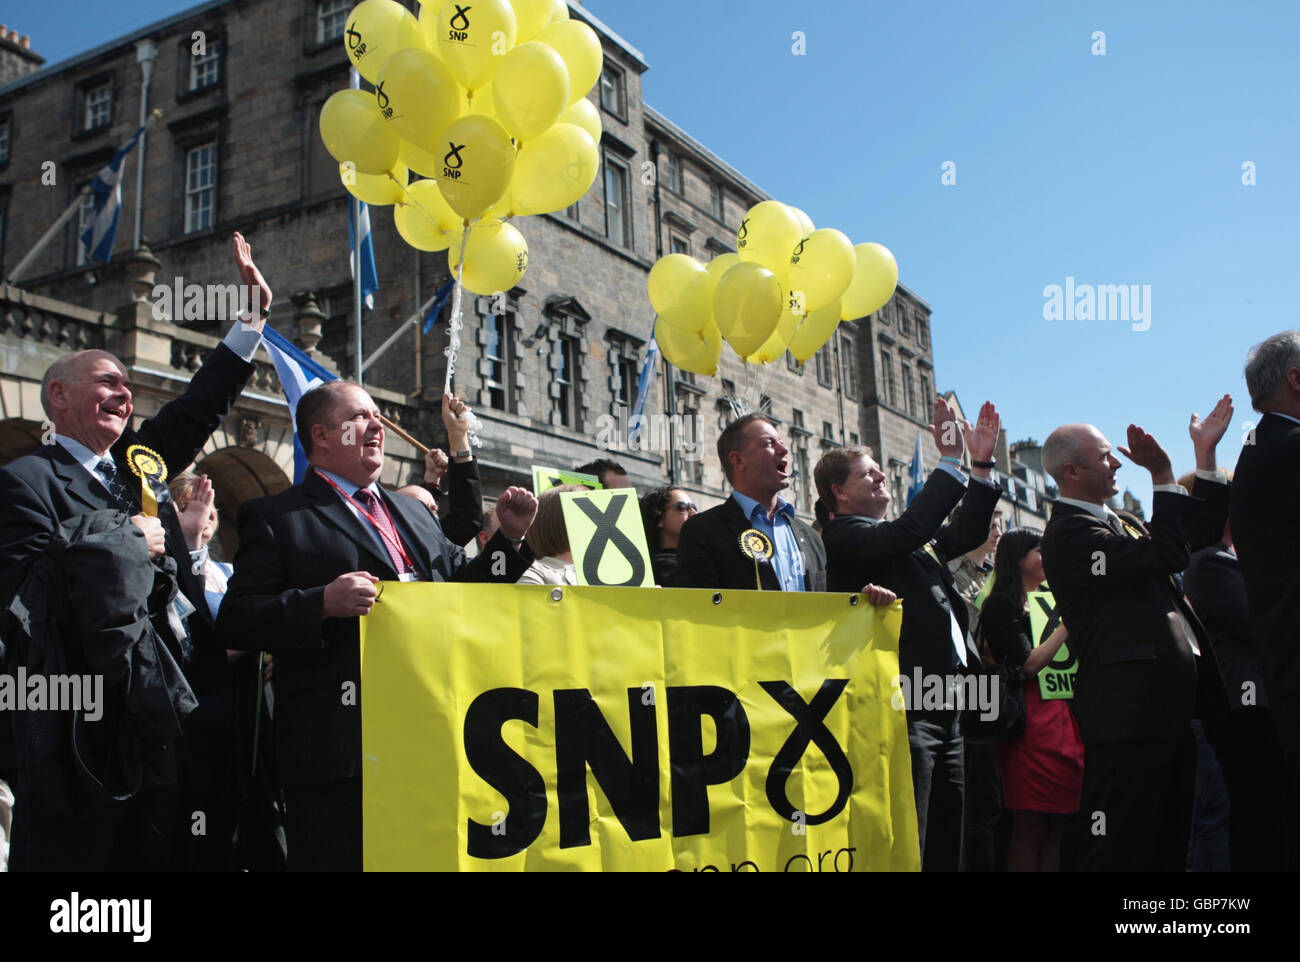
452, 162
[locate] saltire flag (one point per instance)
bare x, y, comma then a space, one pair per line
439, 300
369, 273
298, 375
917, 471
643, 390
98, 238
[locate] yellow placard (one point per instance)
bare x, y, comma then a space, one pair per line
546, 478
1056, 679
632, 730
607, 538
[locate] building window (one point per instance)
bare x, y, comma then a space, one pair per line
618, 203
799, 441
85, 217
499, 362
715, 200
904, 321
927, 394
887, 377
675, 179
205, 68
99, 106
200, 188
923, 332
564, 370
571, 212
848, 366
613, 91
853, 439
679, 244
331, 19
828, 431
792, 364
823, 356
4, 141
909, 390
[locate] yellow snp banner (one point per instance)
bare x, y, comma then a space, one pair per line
529, 728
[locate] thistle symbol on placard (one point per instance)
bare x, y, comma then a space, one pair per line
354, 38
454, 153
460, 15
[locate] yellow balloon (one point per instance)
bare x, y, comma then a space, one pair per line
418, 96
690, 352
815, 331
585, 115
531, 16
377, 29
768, 233
681, 292
530, 90
554, 170
805, 222
377, 190
561, 12
720, 265
479, 102
355, 132
774, 347
496, 258
478, 164
473, 38
583, 55
424, 219
747, 306
420, 161
821, 267
874, 278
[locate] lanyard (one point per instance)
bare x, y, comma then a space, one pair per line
395, 542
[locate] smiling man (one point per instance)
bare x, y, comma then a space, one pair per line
1137, 640
309, 565
710, 551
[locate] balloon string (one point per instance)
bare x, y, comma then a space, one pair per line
453, 340
412, 202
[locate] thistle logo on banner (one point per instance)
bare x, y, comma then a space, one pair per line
1056, 680
623, 729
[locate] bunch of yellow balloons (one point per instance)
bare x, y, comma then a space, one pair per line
486, 99
787, 287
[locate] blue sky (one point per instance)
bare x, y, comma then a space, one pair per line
1117, 169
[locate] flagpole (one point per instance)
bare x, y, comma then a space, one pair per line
392, 339
146, 54
356, 286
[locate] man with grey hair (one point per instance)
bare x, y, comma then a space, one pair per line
1265, 518
1136, 638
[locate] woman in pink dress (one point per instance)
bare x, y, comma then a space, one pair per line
1042, 767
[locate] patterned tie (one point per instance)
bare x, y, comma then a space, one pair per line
109, 476
388, 534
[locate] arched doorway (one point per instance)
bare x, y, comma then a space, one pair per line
238, 475
18, 436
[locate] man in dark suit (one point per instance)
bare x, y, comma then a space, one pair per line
910, 556
87, 397
1136, 638
787, 557
309, 563
1265, 513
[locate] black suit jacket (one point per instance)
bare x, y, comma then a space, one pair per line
893, 554
1265, 514
709, 555
1137, 673
48, 486
293, 544
463, 517
1216, 590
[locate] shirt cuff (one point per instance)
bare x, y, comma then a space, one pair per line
244, 340
953, 470
1170, 488
1219, 477
989, 481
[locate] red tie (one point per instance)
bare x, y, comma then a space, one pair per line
388, 534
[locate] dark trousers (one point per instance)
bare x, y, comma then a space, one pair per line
130, 836
1137, 805
1245, 743
323, 827
938, 779
983, 850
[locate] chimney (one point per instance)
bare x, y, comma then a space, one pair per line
17, 59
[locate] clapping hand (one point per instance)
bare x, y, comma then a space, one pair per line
198, 512
252, 278
982, 439
1145, 451
1207, 434
946, 430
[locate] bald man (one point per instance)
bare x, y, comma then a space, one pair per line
87, 397
1136, 638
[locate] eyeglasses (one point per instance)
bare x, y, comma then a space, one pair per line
685, 506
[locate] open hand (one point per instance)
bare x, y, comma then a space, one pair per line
1145, 451
252, 278
982, 439
198, 512
1207, 434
